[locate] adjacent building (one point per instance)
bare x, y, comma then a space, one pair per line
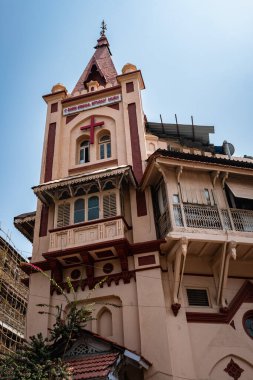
160, 213
13, 298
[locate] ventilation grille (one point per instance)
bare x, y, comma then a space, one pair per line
197, 297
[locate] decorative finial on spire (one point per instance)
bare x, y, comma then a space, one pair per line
103, 28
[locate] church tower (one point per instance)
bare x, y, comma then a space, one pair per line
92, 219
157, 213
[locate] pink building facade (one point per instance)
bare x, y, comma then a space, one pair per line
159, 212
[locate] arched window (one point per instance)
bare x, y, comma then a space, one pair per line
93, 208
79, 211
104, 146
84, 155
105, 323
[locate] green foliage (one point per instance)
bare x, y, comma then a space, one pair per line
41, 358
34, 362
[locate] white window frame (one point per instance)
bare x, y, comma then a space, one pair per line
86, 197
84, 148
105, 144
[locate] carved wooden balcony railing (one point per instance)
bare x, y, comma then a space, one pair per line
242, 220
205, 217
202, 217
88, 233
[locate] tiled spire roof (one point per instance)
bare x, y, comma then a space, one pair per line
100, 67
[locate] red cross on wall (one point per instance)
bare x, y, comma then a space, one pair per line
92, 126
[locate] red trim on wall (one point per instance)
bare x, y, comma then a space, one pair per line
54, 107
43, 221
70, 117
103, 164
50, 152
146, 246
130, 87
149, 268
211, 275
132, 249
86, 283
86, 248
114, 106
141, 203
135, 142
146, 260
245, 294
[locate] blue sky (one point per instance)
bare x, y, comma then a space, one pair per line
196, 58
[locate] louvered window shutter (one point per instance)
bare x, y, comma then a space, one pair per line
109, 205
63, 215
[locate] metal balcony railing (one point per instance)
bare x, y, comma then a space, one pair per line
205, 217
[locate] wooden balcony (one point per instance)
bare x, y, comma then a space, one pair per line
88, 233
205, 217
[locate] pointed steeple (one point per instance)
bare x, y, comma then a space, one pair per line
100, 67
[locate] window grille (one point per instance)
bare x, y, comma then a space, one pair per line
197, 297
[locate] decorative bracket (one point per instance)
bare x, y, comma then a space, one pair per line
71, 191
179, 252
160, 169
179, 171
224, 177
230, 252
215, 175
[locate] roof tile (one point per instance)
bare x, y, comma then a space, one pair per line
92, 366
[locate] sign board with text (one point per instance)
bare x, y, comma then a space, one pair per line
92, 104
